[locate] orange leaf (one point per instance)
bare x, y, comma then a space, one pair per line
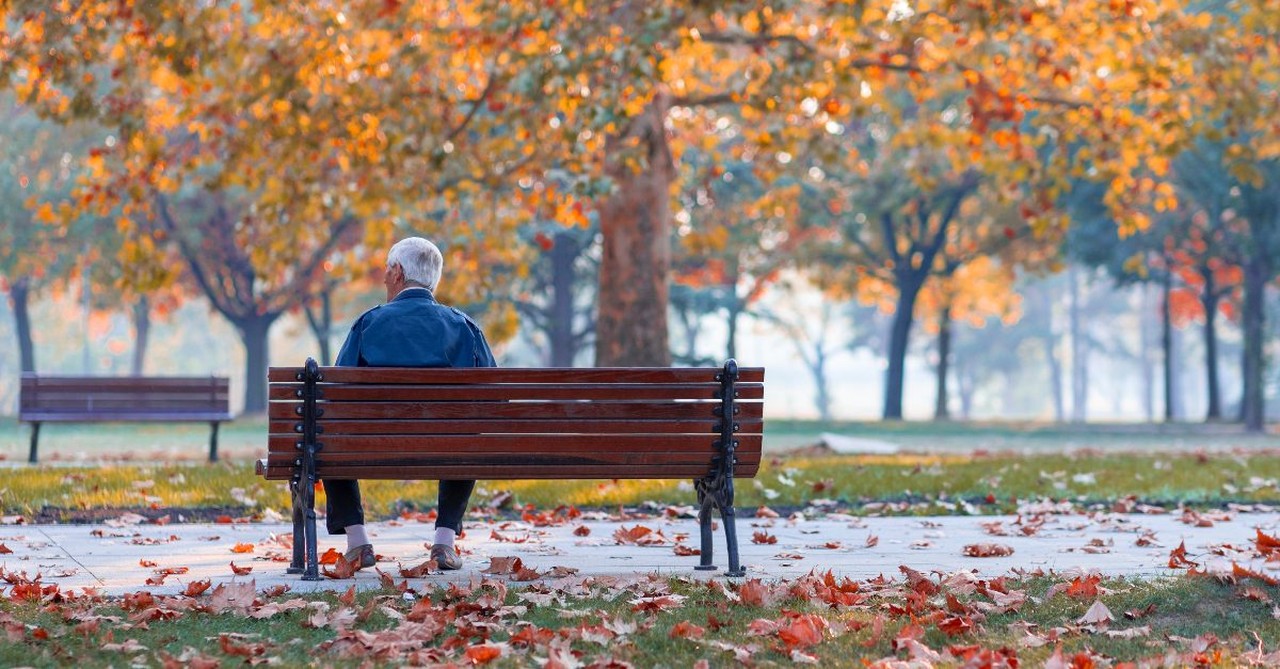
240, 571
687, 630
1178, 557
483, 654
242, 548
146, 563
1266, 543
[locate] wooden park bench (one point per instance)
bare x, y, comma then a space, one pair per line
703, 424
101, 399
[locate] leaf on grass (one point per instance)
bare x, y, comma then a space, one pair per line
1131, 633
483, 653
804, 630
987, 550
1098, 614
763, 538
230, 647
657, 603
687, 630
1084, 587
1135, 614
242, 548
232, 597
240, 571
800, 657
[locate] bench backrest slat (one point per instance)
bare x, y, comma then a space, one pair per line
520, 391
554, 375
49, 398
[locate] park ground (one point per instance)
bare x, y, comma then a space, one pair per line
1209, 603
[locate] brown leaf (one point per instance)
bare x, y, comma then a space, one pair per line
581, 531
1098, 614
683, 550
418, 571
146, 563
502, 565
1135, 614
1178, 557
348, 597
5, 550
987, 550
872, 540
687, 630
342, 568
240, 571
242, 650
763, 538
195, 588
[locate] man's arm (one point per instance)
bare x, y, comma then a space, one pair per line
349, 354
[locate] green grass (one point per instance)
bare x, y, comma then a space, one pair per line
911, 484
1193, 620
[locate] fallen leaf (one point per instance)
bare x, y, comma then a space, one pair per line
683, 550
1178, 558
1098, 614
987, 550
763, 538
581, 531
195, 588
483, 653
687, 630
1135, 614
240, 571
242, 548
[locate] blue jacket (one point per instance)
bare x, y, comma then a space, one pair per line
414, 330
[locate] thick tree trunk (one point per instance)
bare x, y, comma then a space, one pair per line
141, 334
564, 253
1254, 324
322, 325
631, 329
940, 411
1209, 299
731, 339
909, 285
254, 335
19, 295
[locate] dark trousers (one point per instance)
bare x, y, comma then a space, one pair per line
343, 506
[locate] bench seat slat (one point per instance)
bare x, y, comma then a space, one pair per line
533, 410
428, 446
516, 375
520, 391
142, 415
696, 426
517, 459
502, 472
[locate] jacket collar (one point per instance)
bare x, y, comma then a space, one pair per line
414, 293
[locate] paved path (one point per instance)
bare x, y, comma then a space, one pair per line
119, 558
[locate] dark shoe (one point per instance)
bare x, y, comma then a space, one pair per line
361, 556
446, 557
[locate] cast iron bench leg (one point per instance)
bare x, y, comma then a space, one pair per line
706, 563
35, 440
213, 442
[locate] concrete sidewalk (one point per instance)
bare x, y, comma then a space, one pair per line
121, 557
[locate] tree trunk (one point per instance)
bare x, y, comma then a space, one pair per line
19, 294
254, 335
1254, 325
564, 253
909, 284
1209, 299
631, 329
822, 388
1144, 356
1166, 346
141, 334
322, 325
1079, 354
940, 411
731, 339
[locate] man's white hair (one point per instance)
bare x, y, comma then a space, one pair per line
420, 259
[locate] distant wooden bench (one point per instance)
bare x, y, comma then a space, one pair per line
505, 423
101, 399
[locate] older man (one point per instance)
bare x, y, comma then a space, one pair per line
411, 330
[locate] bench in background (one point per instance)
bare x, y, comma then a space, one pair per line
101, 399
704, 424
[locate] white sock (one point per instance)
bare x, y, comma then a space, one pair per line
356, 536
445, 536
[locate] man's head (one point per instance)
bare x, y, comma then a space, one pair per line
413, 261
